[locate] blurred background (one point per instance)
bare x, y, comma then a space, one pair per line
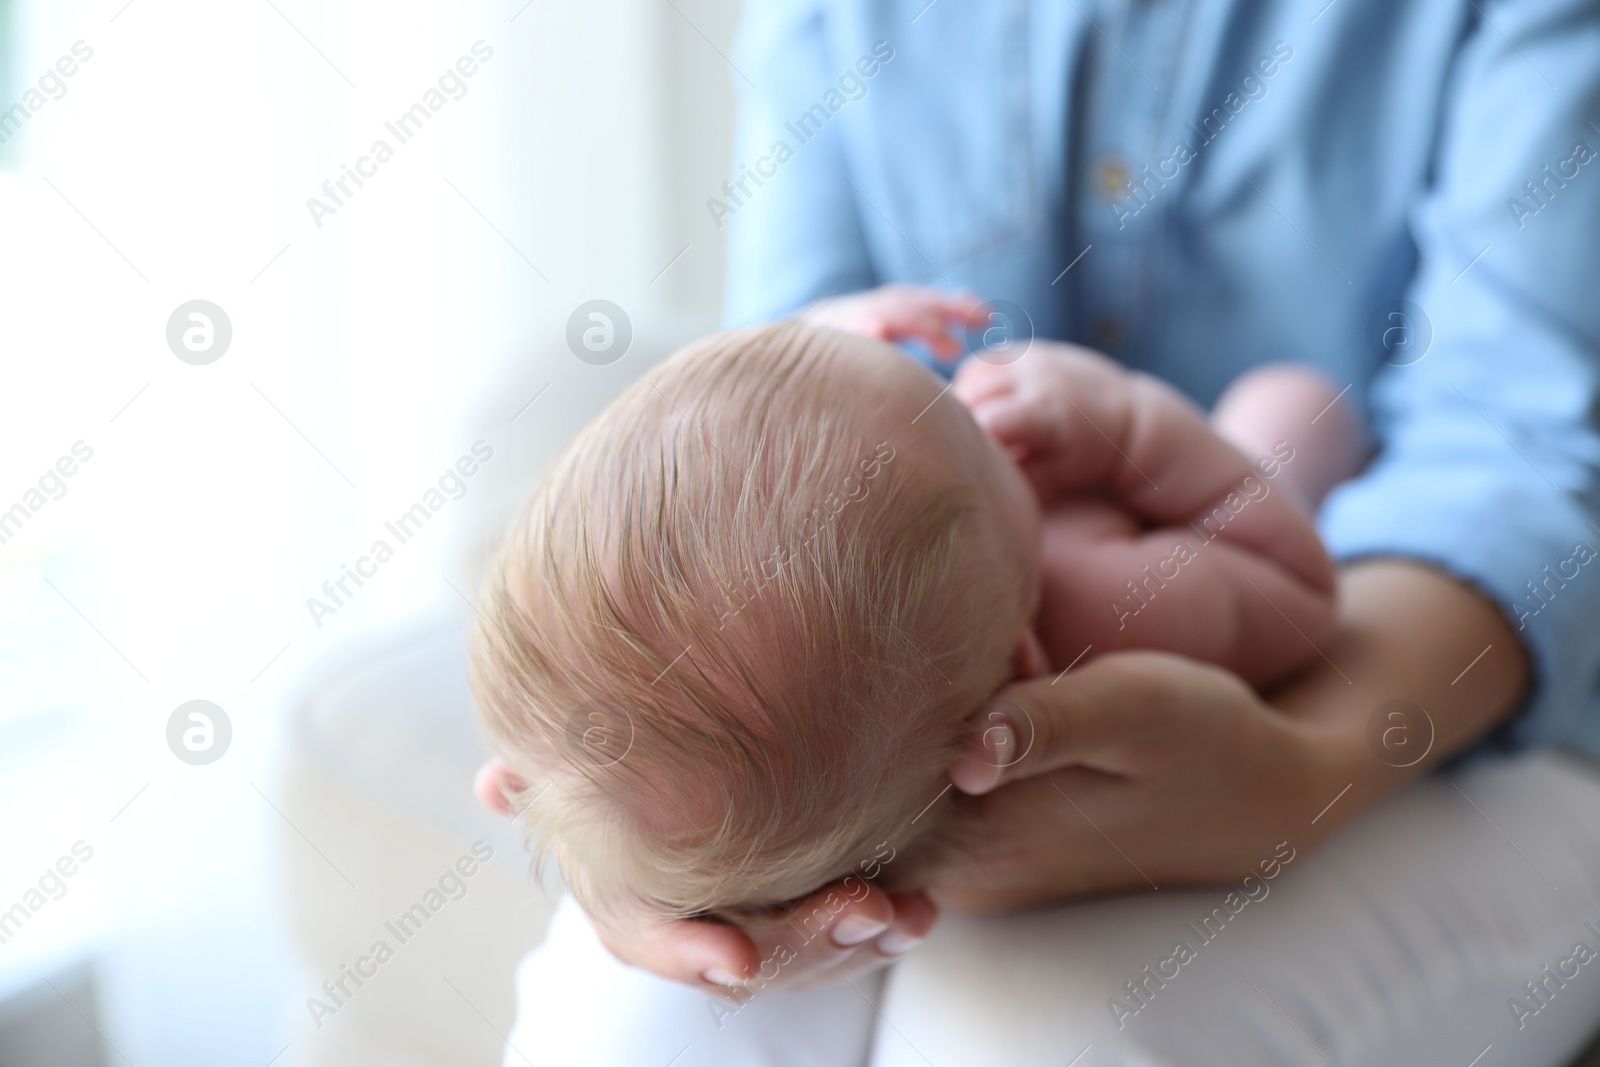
179, 480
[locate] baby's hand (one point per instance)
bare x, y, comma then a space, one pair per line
1039, 406
902, 312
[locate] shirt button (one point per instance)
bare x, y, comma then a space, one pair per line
1107, 333
1111, 177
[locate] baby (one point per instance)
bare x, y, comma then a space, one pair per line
734, 640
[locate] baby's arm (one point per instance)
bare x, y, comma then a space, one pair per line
1195, 552
1081, 423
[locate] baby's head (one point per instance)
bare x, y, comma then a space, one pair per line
732, 640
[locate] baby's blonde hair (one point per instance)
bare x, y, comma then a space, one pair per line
731, 637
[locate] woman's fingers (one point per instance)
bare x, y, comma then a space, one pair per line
914, 916
1103, 715
696, 952
839, 916
1033, 727
844, 929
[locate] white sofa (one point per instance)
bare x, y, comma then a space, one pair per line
381, 749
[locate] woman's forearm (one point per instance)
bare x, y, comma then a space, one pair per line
1407, 633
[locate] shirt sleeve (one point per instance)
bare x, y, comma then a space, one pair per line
794, 232
1486, 419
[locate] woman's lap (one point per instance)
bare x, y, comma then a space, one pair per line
1402, 941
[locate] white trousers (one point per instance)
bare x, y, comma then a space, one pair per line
1458, 923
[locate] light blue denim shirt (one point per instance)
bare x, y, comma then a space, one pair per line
1404, 194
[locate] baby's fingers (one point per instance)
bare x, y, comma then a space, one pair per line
1021, 424
931, 329
979, 381
937, 318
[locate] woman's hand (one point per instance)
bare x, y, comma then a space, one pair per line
1138, 770
841, 931
1142, 769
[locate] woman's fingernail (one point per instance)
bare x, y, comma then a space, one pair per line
854, 929
896, 942
988, 752
717, 976
999, 739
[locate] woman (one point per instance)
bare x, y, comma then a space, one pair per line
1397, 194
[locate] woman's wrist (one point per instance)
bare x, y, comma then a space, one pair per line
1420, 667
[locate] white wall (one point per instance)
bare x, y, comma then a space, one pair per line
177, 166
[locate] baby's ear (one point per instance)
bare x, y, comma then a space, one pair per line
494, 785
1029, 660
